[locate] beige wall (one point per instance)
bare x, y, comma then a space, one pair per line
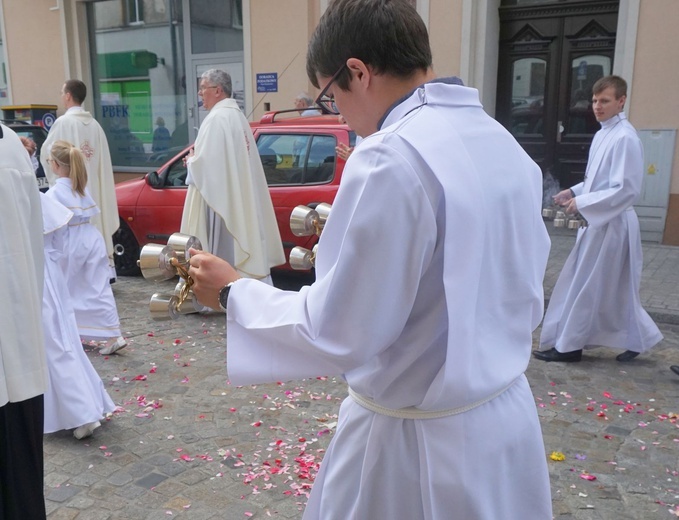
34, 51
277, 44
445, 29
654, 103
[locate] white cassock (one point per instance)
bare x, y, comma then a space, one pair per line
86, 265
228, 206
428, 287
78, 127
23, 367
596, 298
76, 394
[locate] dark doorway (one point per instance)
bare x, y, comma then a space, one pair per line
551, 53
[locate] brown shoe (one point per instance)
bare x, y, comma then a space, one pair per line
554, 355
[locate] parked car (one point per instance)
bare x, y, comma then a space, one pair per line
300, 164
38, 134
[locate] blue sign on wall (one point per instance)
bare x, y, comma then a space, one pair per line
267, 82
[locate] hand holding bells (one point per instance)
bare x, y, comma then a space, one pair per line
305, 222
561, 220
158, 262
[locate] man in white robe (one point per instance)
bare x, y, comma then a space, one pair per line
596, 298
23, 368
78, 127
228, 205
424, 300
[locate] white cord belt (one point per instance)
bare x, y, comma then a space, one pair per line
415, 413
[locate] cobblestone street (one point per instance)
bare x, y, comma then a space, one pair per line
185, 444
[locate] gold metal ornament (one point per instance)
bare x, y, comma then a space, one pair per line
158, 262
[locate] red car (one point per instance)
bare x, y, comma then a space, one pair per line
301, 167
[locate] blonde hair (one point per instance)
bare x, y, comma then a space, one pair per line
68, 156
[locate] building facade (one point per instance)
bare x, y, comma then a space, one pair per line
533, 62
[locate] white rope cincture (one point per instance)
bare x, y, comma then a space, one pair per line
415, 413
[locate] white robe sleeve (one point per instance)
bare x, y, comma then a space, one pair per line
341, 321
625, 174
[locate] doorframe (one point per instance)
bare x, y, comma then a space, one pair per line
481, 46
193, 61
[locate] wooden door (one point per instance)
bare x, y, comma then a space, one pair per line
550, 56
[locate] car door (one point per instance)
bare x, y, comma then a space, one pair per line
301, 168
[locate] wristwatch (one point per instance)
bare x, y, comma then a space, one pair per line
224, 295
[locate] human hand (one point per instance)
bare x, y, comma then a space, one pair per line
343, 151
188, 156
210, 274
29, 144
571, 207
563, 197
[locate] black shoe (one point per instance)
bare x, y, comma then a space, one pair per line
675, 369
626, 356
554, 355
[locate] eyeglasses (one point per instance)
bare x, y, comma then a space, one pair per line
202, 89
326, 102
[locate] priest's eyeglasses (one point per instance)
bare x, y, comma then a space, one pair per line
327, 103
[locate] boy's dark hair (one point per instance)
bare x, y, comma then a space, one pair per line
77, 89
388, 35
619, 85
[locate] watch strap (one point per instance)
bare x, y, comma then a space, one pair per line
224, 295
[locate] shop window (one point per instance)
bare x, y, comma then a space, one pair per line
138, 81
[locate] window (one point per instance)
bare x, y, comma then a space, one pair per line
138, 80
135, 12
297, 158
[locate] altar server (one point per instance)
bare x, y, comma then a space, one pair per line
23, 367
424, 300
85, 261
596, 299
76, 397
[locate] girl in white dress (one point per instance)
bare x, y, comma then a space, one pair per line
76, 397
86, 261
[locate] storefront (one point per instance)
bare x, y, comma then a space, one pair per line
146, 60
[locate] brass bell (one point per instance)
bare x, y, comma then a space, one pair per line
323, 210
159, 306
155, 262
304, 221
301, 259
181, 243
576, 223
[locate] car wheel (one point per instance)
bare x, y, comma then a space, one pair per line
125, 251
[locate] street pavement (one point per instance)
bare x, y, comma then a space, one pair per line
185, 444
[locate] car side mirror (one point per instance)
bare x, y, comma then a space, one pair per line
154, 180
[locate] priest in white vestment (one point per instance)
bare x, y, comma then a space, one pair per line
596, 300
23, 367
228, 206
424, 301
78, 127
